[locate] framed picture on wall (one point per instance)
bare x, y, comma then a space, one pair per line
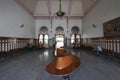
112, 28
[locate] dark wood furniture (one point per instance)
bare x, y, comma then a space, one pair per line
63, 66
13, 45
59, 51
110, 46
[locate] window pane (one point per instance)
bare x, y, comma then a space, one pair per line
46, 36
77, 36
72, 41
72, 38
46, 39
41, 37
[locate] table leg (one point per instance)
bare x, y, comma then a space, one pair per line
67, 77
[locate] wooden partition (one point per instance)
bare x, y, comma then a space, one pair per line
109, 45
35, 42
10, 45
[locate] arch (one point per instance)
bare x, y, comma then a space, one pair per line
75, 30
59, 30
59, 37
43, 37
43, 30
75, 37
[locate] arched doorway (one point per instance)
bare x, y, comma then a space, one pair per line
59, 37
75, 37
43, 37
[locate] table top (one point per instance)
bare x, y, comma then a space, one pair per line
51, 68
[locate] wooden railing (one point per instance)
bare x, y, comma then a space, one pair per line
9, 45
109, 45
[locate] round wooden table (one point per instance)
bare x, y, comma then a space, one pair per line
65, 73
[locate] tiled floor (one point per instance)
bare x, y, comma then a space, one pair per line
31, 66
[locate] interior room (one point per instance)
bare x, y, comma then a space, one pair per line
59, 39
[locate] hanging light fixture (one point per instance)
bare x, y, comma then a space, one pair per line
60, 13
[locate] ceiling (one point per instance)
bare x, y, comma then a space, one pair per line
48, 8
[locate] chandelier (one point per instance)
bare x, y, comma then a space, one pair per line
60, 13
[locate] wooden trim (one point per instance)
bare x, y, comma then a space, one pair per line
110, 44
12, 44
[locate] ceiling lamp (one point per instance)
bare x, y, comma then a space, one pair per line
60, 13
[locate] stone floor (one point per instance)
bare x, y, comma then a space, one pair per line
31, 66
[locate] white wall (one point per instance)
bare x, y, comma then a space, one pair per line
12, 16
104, 11
55, 24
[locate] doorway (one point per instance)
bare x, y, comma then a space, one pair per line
59, 37
59, 40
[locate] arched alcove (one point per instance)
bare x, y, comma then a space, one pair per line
59, 30
75, 37
43, 37
43, 30
75, 30
59, 37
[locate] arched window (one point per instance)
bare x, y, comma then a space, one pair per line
75, 30
59, 30
43, 37
75, 37
59, 37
